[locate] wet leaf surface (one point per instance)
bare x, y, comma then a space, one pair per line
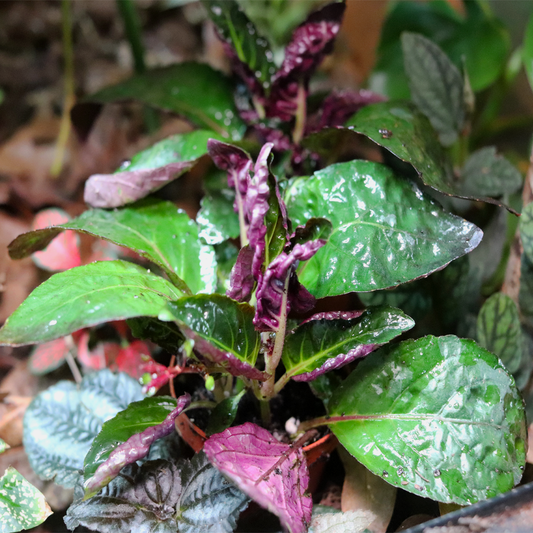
217, 220
439, 417
222, 330
194, 90
61, 422
86, 296
321, 345
155, 229
385, 230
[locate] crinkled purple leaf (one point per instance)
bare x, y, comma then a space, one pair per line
256, 207
246, 453
235, 161
242, 280
310, 42
338, 107
271, 286
134, 448
114, 190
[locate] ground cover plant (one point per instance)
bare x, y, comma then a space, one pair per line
245, 297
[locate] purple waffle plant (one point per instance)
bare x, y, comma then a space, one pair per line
239, 297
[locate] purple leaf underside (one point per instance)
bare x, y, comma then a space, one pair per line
115, 190
246, 453
135, 448
242, 280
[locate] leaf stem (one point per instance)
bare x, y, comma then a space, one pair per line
301, 112
70, 359
242, 225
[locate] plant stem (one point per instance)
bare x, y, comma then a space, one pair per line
301, 112
266, 416
132, 27
70, 359
242, 224
68, 98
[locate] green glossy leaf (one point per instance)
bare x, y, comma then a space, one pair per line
239, 31
527, 51
137, 417
276, 235
315, 228
61, 422
385, 230
217, 220
222, 330
227, 254
498, 330
224, 414
86, 296
22, 506
317, 342
194, 90
4, 446
153, 228
164, 334
436, 86
487, 173
405, 132
439, 417
526, 230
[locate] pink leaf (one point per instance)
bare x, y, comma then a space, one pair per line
63, 251
246, 453
131, 359
48, 356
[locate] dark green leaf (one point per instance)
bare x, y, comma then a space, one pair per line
227, 254
240, 33
222, 330
436, 86
276, 236
439, 417
61, 422
164, 334
194, 90
385, 230
405, 132
527, 51
525, 298
155, 229
487, 173
22, 506
224, 414
315, 228
316, 343
217, 220
148, 170
526, 230
162, 497
522, 375
86, 296
498, 330
137, 417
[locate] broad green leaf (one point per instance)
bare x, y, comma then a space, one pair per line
527, 51
127, 438
222, 330
487, 173
61, 423
227, 254
526, 230
217, 220
385, 230
194, 90
498, 330
22, 506
439, 417
224, 414
3, 446
405, 132
153, 228
148, 170
436, 86
162, 496
86, 296
525, 297
164, 334
523, 373
317, 343
240, 32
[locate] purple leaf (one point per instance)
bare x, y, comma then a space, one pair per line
241, 280
232, 159
271, 286
336, 362
246, 453
256, 207
114, 190
338, 107
310, 42
133, 449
